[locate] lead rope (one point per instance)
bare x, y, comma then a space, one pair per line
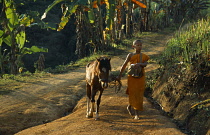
116, 84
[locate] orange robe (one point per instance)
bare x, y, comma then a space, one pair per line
136, 86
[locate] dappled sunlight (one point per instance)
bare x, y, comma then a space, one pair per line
151, 67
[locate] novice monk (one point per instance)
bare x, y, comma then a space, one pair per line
136, 86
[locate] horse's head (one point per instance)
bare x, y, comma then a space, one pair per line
104, 67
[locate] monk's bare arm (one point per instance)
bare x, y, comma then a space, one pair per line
125, 64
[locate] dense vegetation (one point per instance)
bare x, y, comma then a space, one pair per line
83, 27
181, 85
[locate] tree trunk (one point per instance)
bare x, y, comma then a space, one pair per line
79, 47
128, 19
99, 38
120, 21
13, 57
147, 16
2, 62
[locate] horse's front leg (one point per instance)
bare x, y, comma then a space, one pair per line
92, 108
88, 92
98, 104
92, 99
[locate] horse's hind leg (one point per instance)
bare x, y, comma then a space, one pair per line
88, 92
98, 104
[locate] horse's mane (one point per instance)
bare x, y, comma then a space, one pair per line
104, 62
99, 63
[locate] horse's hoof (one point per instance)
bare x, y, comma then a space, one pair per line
97, 118
88, 116
136, 118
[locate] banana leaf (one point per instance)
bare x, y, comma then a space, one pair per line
33, 49
50, 7
110, 13
7, 40
25, 20
11, 15
64, 18
20, 39
1, 37
91, 16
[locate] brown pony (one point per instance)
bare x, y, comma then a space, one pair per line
97, 74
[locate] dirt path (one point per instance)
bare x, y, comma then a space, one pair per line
40, 102
53, 97
114, 120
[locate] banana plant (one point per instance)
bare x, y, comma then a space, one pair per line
91, 17
13, 34
3, 55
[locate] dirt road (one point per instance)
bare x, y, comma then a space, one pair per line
114, 120
54, 97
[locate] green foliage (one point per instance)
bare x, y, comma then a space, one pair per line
8, 76
71, 66
25, 76
68, 10
157, 16
59, 69
11, 15
85, 60
50, 7
13, 34
73, 6
110, 13
190, 45
13, 82
91, 16
33, 49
